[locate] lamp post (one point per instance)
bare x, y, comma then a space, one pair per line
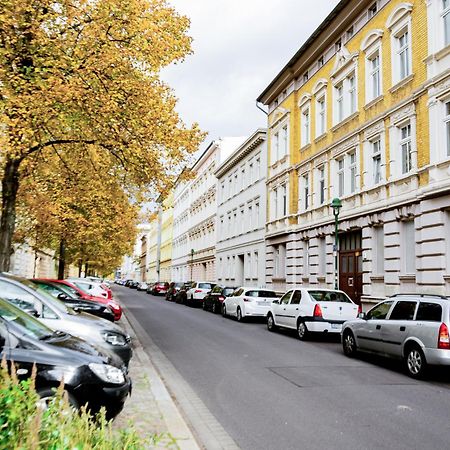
336, 204
192, 263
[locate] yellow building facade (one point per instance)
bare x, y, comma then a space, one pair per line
349, 118
166, 239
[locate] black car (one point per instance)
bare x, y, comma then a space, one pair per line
63, 293
181, 296
174, 287
214, 299
88, 377
133, 284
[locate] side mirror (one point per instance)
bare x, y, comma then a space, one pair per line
33, 312
62, 296
362, 316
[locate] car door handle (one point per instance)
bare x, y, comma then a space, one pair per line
378, 327
402, 328
296, 309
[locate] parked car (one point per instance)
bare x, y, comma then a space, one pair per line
197, 292
58, 357
411, 327
133, 284
311, 310
180, 296
62, 293
172, 290
59, 317
92, 287
214, 299
142, 286
79, 292
248, 302
158, 288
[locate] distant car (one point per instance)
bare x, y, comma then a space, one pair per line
92, 287
411, 327
312, 310
197, 292
180, 296
248, 302
61, 292
213, 301
133, 284
172, 290
142, 286
158, 288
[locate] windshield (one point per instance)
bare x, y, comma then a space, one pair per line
329, 296
28, 325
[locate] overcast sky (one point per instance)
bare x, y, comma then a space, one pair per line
239, 47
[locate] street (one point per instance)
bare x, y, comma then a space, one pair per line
271, 391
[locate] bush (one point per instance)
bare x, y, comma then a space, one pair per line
26, 426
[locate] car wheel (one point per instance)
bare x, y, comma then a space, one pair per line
271, 323
239, 316
46, 395
204, 305
349, 344
224, 311
214, 308
302, 330
416, 364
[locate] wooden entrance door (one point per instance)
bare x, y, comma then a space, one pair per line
350, 264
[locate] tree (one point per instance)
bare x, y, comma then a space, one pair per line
84, 215
82, 74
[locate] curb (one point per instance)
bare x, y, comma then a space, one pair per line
198, 420
176, 425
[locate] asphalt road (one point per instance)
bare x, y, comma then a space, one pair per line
271, 391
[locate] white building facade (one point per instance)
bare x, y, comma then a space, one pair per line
241, 214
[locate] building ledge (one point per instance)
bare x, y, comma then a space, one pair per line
374, 102
438, 55
377, 278
401, 83
345, 121
407, 278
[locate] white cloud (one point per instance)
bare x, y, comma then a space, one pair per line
240, 46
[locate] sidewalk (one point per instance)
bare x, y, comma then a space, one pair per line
150, 409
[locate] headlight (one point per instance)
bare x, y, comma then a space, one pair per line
108, 373
114, 338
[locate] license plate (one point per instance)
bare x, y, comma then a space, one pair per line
262, 303
336, 326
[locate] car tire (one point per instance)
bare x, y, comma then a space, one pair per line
271, 323
224, 311
302, 330
47, 394
239, 316
214, 308
415, 362
204, 305
349, 344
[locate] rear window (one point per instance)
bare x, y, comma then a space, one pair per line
429, 312
269, 294
227, 291
327, 296
205, 285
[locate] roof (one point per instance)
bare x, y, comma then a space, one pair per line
339, 7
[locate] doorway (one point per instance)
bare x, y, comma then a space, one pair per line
350, 264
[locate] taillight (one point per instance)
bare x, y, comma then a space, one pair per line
197, 291
359, 309
317, 311
444, 339
221, 298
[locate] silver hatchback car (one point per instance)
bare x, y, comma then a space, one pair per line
412, 327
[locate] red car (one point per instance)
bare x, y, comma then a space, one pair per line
159, 288
115, 307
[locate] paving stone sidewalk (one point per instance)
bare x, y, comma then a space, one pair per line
150, 409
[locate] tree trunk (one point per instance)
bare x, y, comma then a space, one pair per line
80, 268
10, 186
62, 259
86, 270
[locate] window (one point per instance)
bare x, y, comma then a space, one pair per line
338, 45
320, 62
405, 148
409, 247
306, 127
322, 257
305, 183
296, 297
280, 261
353, 172
352, 93
378, 251
255, 265
284, 200
321, 116
376, 161
321, 184
350, 33
305, 77
345, 98
340, 102
447, 126
446, 20
256, 224
374, 71
286, 297
372, 10
276, 148
429, 312
274, 208
341, 178
403, 54
380, 311
284, 141
403, 311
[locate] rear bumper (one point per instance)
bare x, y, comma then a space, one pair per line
324, 326
436, 356
253, 310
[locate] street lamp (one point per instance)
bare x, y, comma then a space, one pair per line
192, 262
336, 204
